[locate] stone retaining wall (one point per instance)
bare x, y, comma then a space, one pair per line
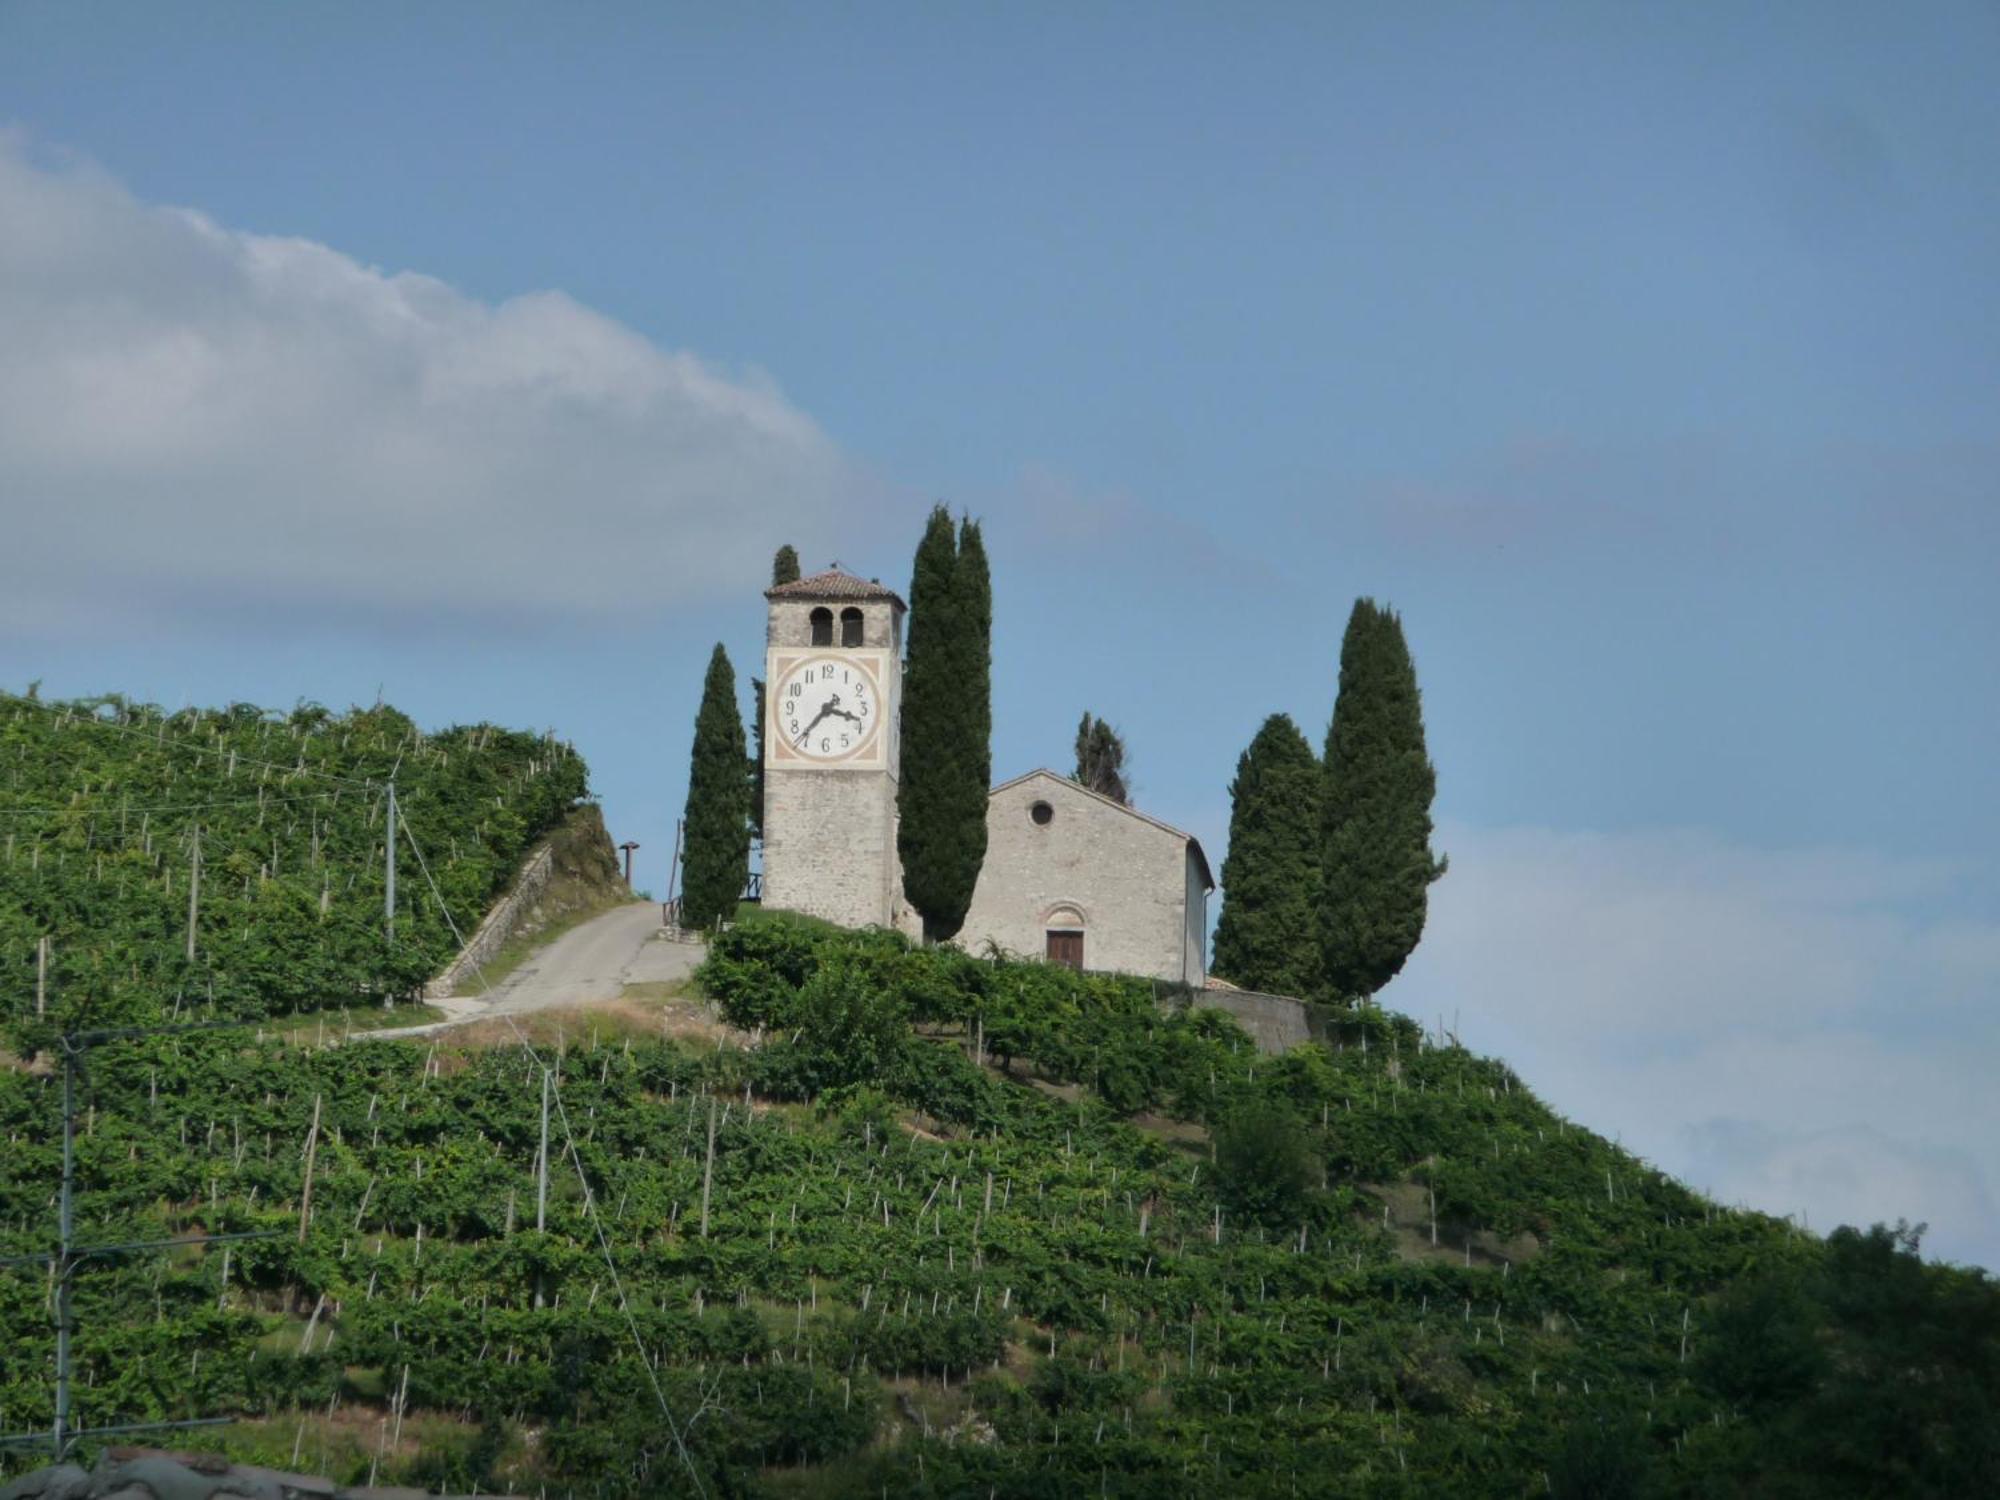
1277, 1023
488, 937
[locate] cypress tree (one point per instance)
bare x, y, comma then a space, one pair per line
946, 750
757, 757
715, 858
1268, 935
1100, 759
784, 569
1376, 859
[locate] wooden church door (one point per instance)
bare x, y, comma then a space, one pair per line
1066, 948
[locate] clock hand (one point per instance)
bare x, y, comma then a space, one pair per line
806, 733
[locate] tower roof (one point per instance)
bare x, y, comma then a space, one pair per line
834, 583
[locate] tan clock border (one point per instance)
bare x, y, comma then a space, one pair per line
871, 749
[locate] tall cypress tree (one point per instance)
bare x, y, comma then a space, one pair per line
946, 750
715, 853
758, 707
972, 589
1376, 859
1268, 935
1100, 759
784, 569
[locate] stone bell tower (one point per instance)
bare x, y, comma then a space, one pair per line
832, 701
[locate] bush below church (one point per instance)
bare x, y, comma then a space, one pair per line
839, 1006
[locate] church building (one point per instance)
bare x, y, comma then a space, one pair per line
1069, 875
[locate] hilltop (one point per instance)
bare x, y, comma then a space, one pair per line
969, 1226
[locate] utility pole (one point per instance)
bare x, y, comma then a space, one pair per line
542, 1179
65, 1263
389, 889
542, 1163
69, 1257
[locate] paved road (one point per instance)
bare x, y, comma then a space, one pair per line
592, 962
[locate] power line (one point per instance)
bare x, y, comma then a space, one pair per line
97, 808
68, 1256
583, 1180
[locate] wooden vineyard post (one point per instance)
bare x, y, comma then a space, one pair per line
708, 1168
194, 889
306, 1193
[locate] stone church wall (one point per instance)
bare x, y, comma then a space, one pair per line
1127, 878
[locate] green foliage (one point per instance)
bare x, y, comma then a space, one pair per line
1264, 1158
1864, 1371
1268, 935
1376, 861
785, 566
715, 858
1602, 1459
858, 1027
1100, 759
956, 1279
757, 756
100, 802
1762, 1349
947, 725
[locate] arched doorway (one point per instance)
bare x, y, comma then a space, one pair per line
1064, 928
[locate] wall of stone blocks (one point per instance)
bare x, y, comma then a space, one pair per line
491, 933
1126, 876
1276, 1023
830, 845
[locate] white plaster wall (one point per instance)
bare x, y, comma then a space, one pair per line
1127, 876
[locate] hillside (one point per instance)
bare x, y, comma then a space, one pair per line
1126, 1256
110, 810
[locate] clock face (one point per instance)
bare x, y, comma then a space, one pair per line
827, 708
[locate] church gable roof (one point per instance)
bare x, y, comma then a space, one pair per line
1070, 784
834, 583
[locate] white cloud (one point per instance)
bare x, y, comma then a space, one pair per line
1785, 1029
194, 418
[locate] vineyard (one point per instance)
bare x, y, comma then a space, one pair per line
233, 863
960, 1226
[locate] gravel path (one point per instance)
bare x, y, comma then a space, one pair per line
592, 962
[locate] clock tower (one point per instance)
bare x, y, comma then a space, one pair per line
832, 694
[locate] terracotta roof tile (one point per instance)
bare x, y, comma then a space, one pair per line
834, 583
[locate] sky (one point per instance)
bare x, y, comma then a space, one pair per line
1646, 359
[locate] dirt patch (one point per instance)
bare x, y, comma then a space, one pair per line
1189, 1135
1409, 1224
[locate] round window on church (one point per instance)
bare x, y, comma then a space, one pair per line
1042, 813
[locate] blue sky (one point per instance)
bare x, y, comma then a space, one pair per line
1647, 359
